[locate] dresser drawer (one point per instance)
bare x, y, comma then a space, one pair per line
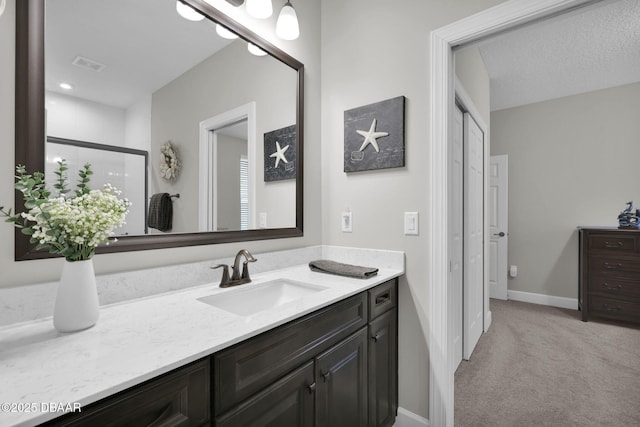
614, 308
614, 243
613, 264
614, 286
250, 366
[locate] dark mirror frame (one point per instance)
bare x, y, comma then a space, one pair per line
30, 131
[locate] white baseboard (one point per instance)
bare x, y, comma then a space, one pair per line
561, 302
409, 419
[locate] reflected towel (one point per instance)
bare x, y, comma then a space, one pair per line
348, 270
160, 212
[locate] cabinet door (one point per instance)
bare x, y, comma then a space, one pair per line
289, 402
383, 370
341, 376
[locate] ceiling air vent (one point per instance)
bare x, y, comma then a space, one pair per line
88, 64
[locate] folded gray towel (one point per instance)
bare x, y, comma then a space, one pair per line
333, 267
160, 214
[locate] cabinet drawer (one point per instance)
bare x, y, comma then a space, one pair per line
382, 298
613, 265
252, 365
613, 286
180, 398
614, 243
614, 308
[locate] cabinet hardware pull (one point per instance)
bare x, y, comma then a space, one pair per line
609, 308
609, 245
376, 337
612, 267
326, 376
383, 298
167, 418
312, 387
611, 288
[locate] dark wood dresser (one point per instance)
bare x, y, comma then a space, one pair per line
610, 273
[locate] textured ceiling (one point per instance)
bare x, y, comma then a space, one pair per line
590, 49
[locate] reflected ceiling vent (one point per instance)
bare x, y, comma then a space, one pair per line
88, 64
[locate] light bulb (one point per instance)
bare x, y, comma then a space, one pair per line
287, 27
65, 86
260, 9
255, 50
224, 33
188, 13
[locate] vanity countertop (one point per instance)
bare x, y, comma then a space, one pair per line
138, 340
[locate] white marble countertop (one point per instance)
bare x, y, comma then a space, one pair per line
138, 340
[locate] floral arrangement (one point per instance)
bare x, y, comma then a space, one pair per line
69, 226
169, 164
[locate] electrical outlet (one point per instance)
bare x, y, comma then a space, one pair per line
347, 222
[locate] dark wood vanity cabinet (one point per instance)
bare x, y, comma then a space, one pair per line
610, 274
334, 367
179, 398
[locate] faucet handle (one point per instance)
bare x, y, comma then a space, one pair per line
225, 274
245, 267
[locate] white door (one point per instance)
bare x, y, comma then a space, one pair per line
498, 226
473, 234
456, 239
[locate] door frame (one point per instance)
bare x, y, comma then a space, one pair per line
499, 18
207, 157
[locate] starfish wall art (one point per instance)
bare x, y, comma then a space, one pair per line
374, 136
280, 154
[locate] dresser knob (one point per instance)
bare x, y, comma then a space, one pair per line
611, 288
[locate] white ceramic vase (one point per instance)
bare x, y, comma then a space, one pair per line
77, 305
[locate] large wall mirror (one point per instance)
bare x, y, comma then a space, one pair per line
141, 78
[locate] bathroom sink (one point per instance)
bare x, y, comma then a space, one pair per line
260, 297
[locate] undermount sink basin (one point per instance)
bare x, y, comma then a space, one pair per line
261, 297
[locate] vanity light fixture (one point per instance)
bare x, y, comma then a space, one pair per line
287, 27
224, 33
187, 12
255, 50
259, 9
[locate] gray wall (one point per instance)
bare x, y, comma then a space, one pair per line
572, 161
372, 51
472, 73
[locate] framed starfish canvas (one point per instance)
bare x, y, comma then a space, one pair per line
280, 154
374, 136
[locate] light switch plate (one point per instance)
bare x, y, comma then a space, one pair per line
347, 222
263, 220
411, 223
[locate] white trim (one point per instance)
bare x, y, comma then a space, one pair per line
409, 419
501, 17
542, 299
207, 183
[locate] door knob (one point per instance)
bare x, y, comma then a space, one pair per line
501, 234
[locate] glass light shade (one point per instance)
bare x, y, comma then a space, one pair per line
287, 27
260, 9
188, 13
224, 33
255, 50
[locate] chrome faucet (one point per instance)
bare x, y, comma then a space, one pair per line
236, 277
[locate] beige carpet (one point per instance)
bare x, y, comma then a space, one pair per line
543, 366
